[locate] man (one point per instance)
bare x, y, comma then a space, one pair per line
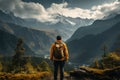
59, 54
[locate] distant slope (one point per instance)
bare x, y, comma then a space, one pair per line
97, 27
38, 41
8, 43
116, 45
86, 49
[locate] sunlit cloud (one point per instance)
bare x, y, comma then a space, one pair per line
37, 11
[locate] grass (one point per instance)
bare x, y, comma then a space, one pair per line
20, 76
95, 70
115, 56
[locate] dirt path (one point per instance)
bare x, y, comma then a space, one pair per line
67, 77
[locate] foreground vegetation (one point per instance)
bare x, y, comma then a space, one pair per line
22, 67
107, 68
21, 76
34, 69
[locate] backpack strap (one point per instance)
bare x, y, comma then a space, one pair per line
60, 44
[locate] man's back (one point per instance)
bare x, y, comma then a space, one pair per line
59, 47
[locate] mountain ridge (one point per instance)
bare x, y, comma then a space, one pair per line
90, 46
64, 26
97, 27
38, 41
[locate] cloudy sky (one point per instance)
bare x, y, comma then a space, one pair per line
49, 10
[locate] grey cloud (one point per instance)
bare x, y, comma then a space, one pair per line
26, 11
37, 11
7, 5
22, 9
106, 10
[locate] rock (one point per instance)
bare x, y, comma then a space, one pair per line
95, 74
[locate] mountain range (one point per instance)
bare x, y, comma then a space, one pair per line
66, 26
87, 42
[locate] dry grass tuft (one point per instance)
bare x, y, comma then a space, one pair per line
95, 70
20, 76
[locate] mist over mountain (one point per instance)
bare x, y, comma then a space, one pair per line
88, 47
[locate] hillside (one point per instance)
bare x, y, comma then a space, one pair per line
107, 68
38, 41
8, 43
89, 47
97, 27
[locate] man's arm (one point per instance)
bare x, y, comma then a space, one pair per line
51, 52
66, 53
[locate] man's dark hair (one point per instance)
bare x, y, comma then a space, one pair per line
58, 37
